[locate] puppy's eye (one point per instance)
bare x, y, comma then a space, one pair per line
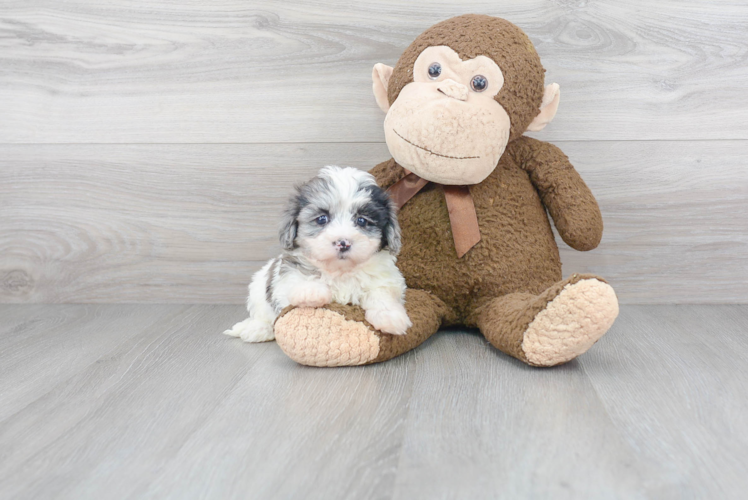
435, 70
322, 220
361, 222
479, 83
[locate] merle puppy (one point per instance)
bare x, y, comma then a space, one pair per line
340, 239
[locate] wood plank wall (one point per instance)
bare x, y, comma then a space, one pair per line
146, 148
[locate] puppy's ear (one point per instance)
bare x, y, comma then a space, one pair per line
289, 225
392, 230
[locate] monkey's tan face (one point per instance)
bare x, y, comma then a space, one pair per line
445, 126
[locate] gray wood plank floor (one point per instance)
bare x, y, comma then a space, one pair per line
150, 401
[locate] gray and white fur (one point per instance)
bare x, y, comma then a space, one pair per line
340, 240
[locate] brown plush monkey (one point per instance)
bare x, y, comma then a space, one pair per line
478, 249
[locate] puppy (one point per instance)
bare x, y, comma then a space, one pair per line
340, 239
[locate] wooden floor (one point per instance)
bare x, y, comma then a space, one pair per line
133, 401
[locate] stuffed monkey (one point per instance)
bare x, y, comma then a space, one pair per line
475, 195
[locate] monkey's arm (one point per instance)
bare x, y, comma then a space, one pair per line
568, 199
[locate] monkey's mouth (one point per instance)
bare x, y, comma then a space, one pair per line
431, 152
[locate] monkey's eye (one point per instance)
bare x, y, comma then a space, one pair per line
362, 222
435, 70
479, 83
322, 220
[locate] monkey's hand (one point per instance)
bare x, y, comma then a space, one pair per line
568, 199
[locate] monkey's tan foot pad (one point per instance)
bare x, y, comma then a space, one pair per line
570, 323
339, 335
321, 337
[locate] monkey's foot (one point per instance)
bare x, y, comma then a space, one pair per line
551, 328
570, 323
339, 335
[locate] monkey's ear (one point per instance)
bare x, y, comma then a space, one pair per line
548, 108
380, 76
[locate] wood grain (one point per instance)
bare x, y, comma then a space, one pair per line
174, 360
130, 71
191, 223
297, 432
483, 425
131, 401
31, 366
181, 411
675, 214
673, 380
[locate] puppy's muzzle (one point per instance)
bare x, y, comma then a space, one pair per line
342, 245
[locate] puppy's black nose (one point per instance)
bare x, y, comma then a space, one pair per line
343, 245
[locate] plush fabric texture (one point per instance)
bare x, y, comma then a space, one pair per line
517, 251
570, 323
473, 129
473, 35
505, 320
509, 285
464, 148
323, 337
338, 335
548, 108
380, 75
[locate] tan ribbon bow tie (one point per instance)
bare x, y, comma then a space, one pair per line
462, 216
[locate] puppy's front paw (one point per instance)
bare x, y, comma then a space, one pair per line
393, 320
311, 294
252, 330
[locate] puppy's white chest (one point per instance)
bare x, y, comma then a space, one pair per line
379, 271
345, 289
